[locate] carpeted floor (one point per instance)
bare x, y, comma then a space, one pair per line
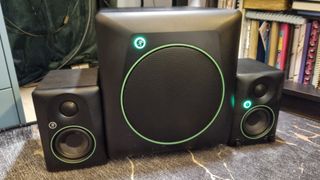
294, 155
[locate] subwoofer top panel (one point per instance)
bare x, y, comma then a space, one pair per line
71, 79
153, 20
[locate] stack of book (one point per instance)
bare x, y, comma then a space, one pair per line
288, 42
307, 7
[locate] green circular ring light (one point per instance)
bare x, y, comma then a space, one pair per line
266, 131
69, 161
247, 104
141, 59
139, 42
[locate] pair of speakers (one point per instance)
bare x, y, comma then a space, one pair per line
68, 108
168, 81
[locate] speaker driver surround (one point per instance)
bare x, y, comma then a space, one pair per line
73, 144
159, 89
257, 122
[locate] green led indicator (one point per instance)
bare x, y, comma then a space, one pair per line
139, 42
233, 101
247, 104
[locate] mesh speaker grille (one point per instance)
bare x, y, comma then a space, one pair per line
172, 94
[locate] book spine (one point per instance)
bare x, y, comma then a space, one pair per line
294, 50
273, 5
285, 29
254, 35
263, 43
297, 64
289, 50
273, 44
247, 39
313, 42
304, 53
316, 76
266, 57
280, 46
261, 46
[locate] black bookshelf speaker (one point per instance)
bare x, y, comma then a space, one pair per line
68, 110
257, 103
167, 77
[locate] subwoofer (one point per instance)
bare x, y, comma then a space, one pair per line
69, 116
167, 77
257, 103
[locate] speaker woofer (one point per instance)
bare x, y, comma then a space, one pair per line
73, 144
257, 122
159, 89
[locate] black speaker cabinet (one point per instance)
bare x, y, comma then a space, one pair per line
257, 103
68, 109
167, 77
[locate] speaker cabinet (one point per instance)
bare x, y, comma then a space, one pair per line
68, 110
257, 103
167, 77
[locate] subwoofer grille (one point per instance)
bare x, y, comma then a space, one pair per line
73, 144
257, 122
172, 94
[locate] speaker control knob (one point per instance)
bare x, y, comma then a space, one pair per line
69, 108
260, 90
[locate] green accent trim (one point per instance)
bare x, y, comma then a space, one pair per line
142, 58
266, 131
233, 101
68, 160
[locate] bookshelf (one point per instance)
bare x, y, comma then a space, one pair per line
299, 97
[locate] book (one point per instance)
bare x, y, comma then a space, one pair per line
282, 46
304, 53
297, 64
260, 49
231, 4
309, 13
289, 50
273, 5
306, 5
278, 17
263, 42
312, 50
254, 35
220, 3
273, 48
316, 75
247, 39
294, 50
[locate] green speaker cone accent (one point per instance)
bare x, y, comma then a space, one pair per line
71, 161
266, 131
141, 59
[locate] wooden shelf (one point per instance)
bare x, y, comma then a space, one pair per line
301, 99
302, 91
